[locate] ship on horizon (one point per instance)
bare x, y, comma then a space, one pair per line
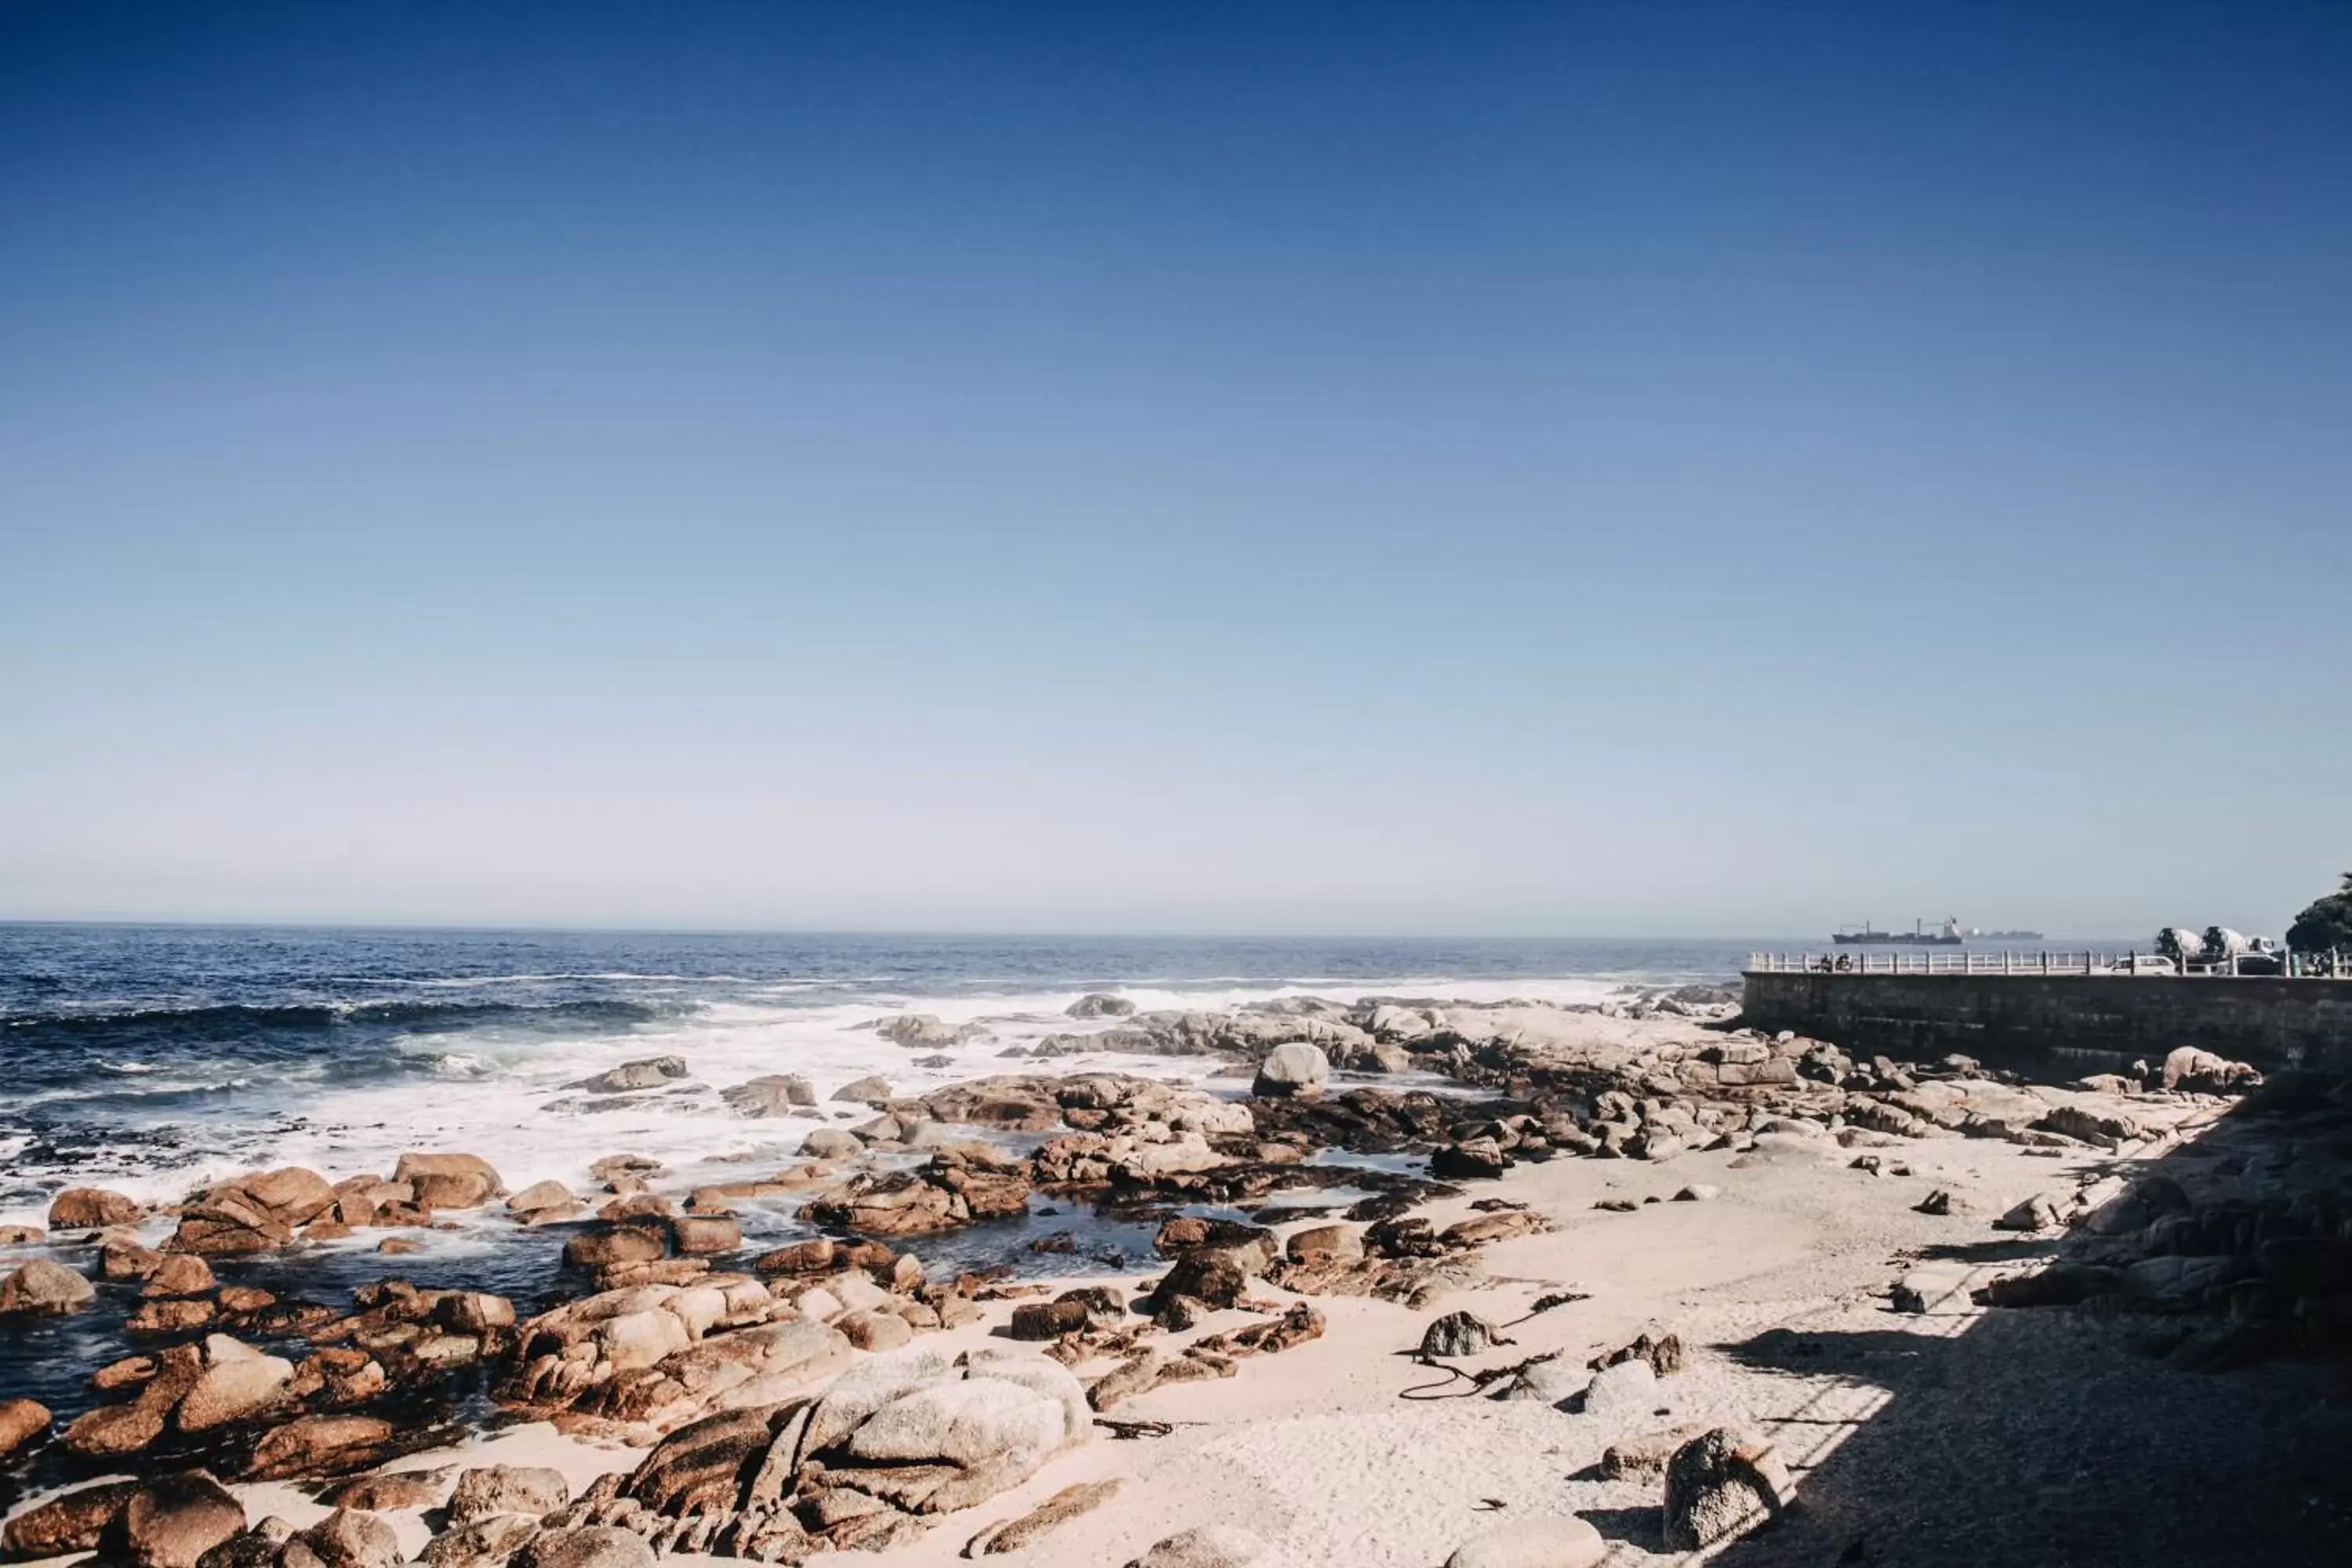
1949, 935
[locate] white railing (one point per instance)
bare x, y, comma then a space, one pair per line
1936, 961
1850, 960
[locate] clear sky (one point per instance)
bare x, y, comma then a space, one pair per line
1638, 467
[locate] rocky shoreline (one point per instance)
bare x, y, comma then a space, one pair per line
1402, 1176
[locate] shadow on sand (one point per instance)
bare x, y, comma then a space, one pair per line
2061, 1436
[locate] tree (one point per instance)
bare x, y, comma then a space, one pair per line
2326, 926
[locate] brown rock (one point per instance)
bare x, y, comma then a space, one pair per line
45, 1288
506, 1488
703, 1234
449, 1180
319, 1444
70, 1522
1066, 1504
621, 1244
21, 1421
91, 1208
393, 1490
351, 1538
171, 1521
115, 1429
180, 1274
170, 1317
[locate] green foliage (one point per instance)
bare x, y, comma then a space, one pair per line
2327, 924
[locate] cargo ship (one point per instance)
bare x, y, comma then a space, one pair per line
1949, 935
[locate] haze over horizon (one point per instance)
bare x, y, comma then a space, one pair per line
1274, 469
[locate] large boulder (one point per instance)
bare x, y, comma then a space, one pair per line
449, 1180
171, 1521
238, 1382
872, 1089
652, 1072
47, 1288
92, 1208
1719, 1483
1099, 1005
21, 1421
594, 1546
778, 1094
1297, 1068
506, 1488
70, 1522
353, 1538
975, 1421
321, 1446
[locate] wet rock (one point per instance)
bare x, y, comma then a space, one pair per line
1297, 1068
43, 1287
21, 1422
115, 1428
171, 1522
871, 1090
1099, 1005
1718, 1483
237, 1383
1207, 1546
449, 1180
605, 1246
1248, 1247
777, 1094
92, 1208
506, 1488
321, 1446
1203, 1277
543, 1202
651, 1072
180, 1274
702, 1235
1561, 1541
925, 1031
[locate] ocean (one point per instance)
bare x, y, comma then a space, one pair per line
155, 1058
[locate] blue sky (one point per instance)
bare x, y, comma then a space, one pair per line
1659, 468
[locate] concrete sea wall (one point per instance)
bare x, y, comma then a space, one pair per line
2092, 1021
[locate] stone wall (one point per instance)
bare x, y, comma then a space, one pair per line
2091, 1021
